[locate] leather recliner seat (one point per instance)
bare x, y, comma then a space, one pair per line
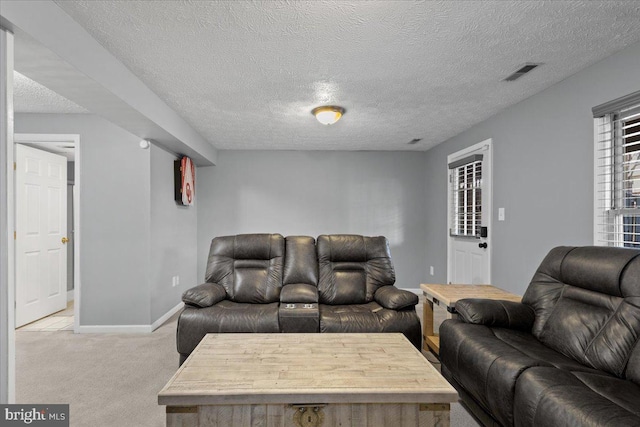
241, 292
568, 355
266, 283
356, 291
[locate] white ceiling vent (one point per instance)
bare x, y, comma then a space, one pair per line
529, 66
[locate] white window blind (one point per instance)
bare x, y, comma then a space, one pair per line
466, 196
617, 183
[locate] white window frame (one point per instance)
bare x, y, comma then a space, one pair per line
460, 225
608, 178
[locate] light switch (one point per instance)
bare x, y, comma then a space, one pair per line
500, 214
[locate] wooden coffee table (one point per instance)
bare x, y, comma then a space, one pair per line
448, 295
307, 380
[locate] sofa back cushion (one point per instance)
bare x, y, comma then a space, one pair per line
352, 268
633, 366
249, 266
630, 283
587, 304
300, 261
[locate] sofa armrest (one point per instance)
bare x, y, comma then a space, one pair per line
299, 292
204, 295
395, 299
504, 314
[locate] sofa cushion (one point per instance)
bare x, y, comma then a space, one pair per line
545, 287
370, 318
597, 268
352, 268
630, 285
300, 261
610, 350
630, 279
623, 393
578, 318
586, 305
350, 318
249, 266
529, 345
554, 397
484, 365
226, 316
487, 362
633, 365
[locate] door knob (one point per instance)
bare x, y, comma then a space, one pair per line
64, 240
483, 245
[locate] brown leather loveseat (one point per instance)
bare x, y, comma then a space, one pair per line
568, 355
266, 283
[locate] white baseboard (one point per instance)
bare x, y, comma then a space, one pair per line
70, 295
128, 329
416, 291
155, 325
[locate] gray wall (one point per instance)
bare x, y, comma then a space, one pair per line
173, 237
543, 171
318, 192
114, 217
71, 172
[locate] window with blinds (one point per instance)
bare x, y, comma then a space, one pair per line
465, 176
617, 183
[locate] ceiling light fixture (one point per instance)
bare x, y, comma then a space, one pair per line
328, 114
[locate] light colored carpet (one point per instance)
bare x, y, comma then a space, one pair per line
109, 379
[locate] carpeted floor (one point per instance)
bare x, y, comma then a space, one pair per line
109, 379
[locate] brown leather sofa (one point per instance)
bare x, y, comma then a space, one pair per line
266, 283
568, 355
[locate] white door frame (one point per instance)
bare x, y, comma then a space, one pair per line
75, 139
7, 312
487, 195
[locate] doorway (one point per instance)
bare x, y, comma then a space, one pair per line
469, 196
69, 146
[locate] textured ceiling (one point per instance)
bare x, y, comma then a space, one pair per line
247, 74
32, 97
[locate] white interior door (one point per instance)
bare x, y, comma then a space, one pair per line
469, 248
41, 234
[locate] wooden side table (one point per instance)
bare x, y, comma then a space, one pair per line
448, 295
